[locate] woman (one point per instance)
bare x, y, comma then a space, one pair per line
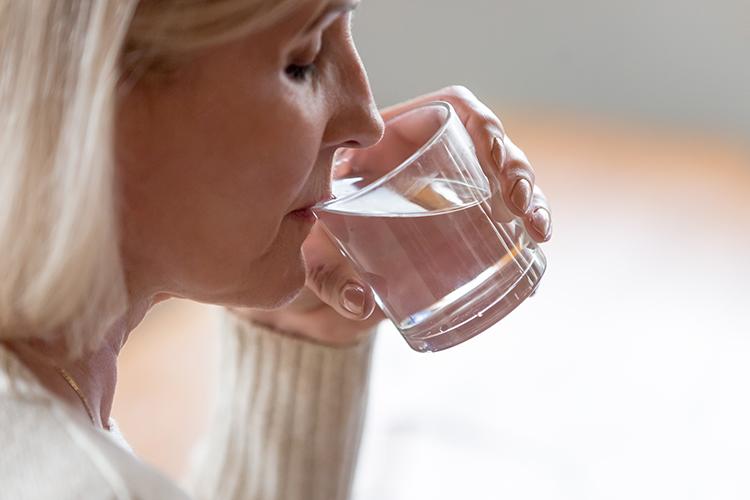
170, 148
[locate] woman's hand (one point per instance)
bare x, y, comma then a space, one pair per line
336, 307
502, 161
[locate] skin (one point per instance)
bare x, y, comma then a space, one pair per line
213, 164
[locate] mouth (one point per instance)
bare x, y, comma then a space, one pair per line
305, 211
325, 196
320, 190
303, 214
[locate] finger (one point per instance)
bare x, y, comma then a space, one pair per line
481, 123
489, 140
538, 220
499, 210
462, 99
517, 179
504, 163
332, 278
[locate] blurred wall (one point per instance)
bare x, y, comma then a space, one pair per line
674, 62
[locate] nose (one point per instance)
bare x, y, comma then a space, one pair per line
355, 120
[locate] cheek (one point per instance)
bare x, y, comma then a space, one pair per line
226, 168
285, 154
209, 173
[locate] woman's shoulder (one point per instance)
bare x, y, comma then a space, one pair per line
47, 452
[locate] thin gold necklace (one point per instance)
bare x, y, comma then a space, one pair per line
77, 389
65, 375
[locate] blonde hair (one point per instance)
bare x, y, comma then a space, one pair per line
61, 62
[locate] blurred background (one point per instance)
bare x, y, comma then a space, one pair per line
657, 62
628, 374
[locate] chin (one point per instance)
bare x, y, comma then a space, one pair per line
280, 288
282, 297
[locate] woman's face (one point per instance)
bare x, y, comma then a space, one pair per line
215, 165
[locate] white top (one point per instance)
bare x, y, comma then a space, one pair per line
287, 426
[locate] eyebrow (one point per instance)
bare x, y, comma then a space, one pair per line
333, 8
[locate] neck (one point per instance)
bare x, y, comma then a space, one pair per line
95, 372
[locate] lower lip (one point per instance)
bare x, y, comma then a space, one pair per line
304, 214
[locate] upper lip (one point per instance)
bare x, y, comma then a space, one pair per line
322, 188
327, 195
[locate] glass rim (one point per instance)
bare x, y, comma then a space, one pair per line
401, 166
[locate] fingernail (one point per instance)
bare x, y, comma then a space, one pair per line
521, 195
353, 298
541, 221
498, 154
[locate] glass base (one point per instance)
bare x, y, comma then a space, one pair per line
478, 309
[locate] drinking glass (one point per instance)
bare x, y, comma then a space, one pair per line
414, 215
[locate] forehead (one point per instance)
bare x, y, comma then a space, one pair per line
312, 13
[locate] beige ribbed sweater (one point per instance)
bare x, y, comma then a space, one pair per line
287, 427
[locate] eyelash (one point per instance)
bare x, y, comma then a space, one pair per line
300, 73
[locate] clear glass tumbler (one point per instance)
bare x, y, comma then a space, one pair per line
412, 213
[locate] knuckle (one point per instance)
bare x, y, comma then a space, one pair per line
539, 201
480, 115
517, 159
324, 277
460, 92
515, 151
492, 125
519, 167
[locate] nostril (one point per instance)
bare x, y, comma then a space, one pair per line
357, 124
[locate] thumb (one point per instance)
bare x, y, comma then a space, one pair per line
331, 277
